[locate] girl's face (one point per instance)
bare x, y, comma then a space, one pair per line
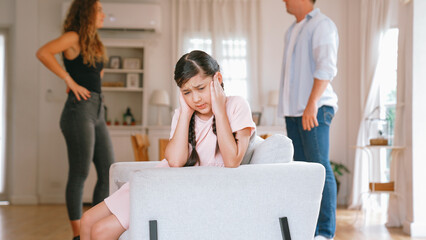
196, 92
99, 15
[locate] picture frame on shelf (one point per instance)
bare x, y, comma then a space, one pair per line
256, 117
131, 63
114, 62
132, 80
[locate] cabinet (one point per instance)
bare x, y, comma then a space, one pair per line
119, 95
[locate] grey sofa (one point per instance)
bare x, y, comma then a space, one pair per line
256, 201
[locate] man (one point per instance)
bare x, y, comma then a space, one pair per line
307, 100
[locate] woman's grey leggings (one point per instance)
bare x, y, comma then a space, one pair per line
87, 138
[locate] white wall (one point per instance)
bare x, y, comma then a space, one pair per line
39, 172
23, 93
6, 10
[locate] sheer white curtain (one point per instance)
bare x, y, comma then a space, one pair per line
374, 23
396, 207
226, 29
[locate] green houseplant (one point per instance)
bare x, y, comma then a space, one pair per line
338, 169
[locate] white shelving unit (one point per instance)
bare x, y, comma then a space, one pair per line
118, 99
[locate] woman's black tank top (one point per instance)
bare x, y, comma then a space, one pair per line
83, 74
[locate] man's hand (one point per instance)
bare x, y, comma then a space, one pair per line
309, 118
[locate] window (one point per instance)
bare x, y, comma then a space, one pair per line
232, 58
386, 74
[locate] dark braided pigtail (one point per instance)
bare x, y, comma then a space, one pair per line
193, 158
215, 133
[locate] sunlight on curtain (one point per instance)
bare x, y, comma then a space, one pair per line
2, 112
228, 31
233, 62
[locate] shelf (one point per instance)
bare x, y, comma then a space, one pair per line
121, 89
122, 127
111, 70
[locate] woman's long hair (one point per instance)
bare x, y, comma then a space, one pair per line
188, 66
81, 18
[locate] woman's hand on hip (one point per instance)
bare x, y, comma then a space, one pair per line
79, 91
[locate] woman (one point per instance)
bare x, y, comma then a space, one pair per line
82, 121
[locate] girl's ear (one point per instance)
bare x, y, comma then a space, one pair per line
219, 77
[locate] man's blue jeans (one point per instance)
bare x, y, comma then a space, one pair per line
313, 146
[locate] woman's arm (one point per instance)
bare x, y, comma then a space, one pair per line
69, 44
177, 149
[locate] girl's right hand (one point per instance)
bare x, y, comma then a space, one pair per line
79, 91
185, 109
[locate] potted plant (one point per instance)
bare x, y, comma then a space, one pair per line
338, 169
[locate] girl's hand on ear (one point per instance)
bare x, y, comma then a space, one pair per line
184, 108
218, 96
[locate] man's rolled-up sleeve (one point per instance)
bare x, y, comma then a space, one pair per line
325, 43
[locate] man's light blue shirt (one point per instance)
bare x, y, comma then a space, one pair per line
314, 56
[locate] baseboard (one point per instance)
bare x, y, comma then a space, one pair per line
416, 229
52, 199
24, 200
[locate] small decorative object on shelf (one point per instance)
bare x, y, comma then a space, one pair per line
256, 117
112, 84
114, 62
379, 141
128, 118
131, 63
116, 122
379, 132
132, 80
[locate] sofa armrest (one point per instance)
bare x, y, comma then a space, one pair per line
120, 172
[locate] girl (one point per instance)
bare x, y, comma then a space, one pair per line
209, 129
82, 121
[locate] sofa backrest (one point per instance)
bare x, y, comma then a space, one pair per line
212, 203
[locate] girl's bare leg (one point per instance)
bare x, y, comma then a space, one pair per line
98, 221
108, 228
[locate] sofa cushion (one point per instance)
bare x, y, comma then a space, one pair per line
254, 142
275, 149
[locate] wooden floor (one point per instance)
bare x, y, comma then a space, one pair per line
49, 222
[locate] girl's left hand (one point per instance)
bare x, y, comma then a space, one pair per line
218, 96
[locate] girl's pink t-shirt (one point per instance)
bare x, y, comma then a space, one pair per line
239, 115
